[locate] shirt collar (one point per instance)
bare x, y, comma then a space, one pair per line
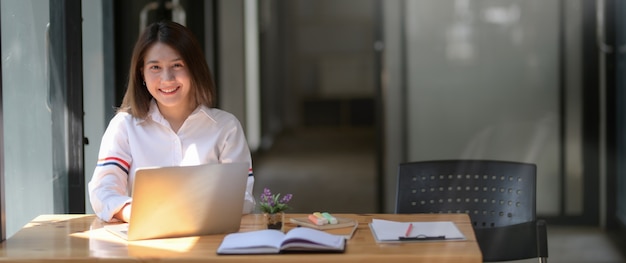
156, 116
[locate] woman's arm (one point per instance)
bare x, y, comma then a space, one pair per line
235, 149
108, 188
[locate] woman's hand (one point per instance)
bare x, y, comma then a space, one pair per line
124, 213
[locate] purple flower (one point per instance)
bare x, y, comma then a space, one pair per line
266, 195
286, 198
272, 203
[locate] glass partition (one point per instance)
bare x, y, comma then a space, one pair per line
97, 111
28, 188
484, 82
42, 108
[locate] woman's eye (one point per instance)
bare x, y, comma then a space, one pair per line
154, 67
178, 65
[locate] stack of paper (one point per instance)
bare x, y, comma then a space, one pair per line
392, 231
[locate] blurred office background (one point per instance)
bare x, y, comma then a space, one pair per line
334, 94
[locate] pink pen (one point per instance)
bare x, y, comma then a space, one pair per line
408, 230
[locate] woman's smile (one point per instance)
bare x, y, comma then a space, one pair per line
170, 90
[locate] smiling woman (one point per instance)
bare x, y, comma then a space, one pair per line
167, 112
183, 50
167, 79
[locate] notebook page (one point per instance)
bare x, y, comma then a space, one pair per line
385, 230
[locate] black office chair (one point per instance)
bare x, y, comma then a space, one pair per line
499, 197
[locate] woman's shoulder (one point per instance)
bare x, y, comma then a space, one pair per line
219, 115
123, 118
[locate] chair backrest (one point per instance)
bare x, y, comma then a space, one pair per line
493, 193
499, 197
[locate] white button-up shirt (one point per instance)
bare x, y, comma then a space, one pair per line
209, 135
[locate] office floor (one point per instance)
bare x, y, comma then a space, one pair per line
333, 169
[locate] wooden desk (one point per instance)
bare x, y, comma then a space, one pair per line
81, 238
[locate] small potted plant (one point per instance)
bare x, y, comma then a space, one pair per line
273, 207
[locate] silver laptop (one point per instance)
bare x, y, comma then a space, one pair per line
185, 201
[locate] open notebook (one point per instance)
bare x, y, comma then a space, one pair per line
392, 231
185, 201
